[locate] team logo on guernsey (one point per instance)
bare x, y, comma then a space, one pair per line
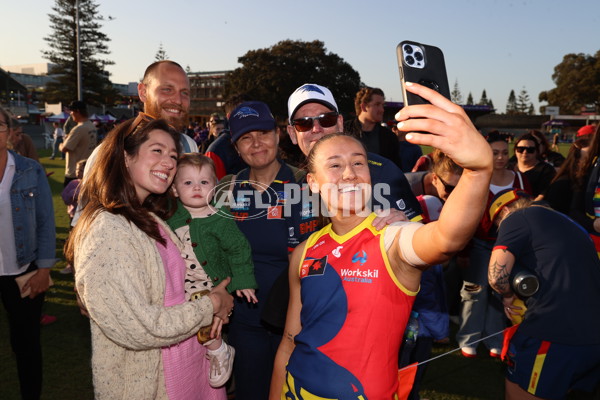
401, 204
275, 212
312, 267
360, 256
336, 252
281, 197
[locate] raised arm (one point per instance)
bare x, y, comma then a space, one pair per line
451, 131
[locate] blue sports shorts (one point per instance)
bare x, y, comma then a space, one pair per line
549, 370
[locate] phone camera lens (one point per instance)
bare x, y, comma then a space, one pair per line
419, 56
410, 60
408, 49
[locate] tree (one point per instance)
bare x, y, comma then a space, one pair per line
523, 102
96, 86
456, 95
470, 99
577, 80
531, 110
484, 100
161, 54
273, 73
511, 103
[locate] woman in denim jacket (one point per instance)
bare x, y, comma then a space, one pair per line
27, 243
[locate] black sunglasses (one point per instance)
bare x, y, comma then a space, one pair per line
447, 187
326, 120
520, 149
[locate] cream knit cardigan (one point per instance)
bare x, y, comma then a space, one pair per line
120, 278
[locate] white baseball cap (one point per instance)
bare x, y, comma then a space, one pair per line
310, 93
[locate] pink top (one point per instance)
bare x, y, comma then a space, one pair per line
185, 365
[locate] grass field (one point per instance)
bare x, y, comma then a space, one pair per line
66, 343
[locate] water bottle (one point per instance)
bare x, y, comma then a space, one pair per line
412, 330
410, 339
525, 284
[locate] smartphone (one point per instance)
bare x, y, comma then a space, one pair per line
422, 64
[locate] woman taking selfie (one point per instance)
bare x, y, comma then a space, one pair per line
352, 286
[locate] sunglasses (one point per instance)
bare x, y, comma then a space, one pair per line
447, 187
520, 149
326, 120
141, 117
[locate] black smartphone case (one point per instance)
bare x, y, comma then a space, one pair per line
433, 75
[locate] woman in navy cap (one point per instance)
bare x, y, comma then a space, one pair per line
274, 224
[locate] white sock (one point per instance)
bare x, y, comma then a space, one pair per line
219, 350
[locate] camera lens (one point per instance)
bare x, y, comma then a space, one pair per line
408, 49
419, 56
410, 60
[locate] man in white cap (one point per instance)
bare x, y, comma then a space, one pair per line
313, 113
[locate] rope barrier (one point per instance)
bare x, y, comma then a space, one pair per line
451, 351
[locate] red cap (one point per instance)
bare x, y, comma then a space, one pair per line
586, 130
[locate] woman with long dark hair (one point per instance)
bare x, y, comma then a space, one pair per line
129, 272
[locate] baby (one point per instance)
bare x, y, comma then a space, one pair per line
221, 250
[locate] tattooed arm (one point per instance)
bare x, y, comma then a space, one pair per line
501, 264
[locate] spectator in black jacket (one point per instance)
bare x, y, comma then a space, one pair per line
367, 127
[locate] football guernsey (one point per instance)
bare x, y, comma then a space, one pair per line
353, 316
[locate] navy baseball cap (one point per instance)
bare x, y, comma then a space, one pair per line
250, 116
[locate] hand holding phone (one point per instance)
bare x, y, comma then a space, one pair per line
422, 64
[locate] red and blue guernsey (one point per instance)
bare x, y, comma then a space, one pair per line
353, 316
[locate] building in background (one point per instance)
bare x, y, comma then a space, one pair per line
14, 95
207, 96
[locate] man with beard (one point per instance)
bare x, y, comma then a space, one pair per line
165, 92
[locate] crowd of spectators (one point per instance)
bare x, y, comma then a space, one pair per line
123, 197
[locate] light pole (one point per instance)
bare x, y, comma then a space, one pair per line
79, 88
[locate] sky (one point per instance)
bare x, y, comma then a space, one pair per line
491, 45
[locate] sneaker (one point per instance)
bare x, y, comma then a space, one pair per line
495, 353
469, 352
47, 319
66, 270
221, 366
